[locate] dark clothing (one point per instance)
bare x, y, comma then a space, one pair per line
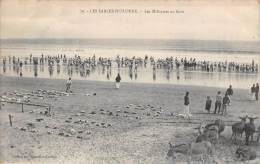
257, 88
226, 100
208, 105
217, 106
256, 92
253, 89
186, 100
118, 79
229, 91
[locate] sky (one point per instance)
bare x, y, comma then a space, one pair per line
199, 19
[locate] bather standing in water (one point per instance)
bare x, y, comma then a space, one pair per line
68, 85
118, 79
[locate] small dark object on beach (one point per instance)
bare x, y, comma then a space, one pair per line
102, 123
23, 129
31, 125
68, 121
61, 134
80, 137
12, 146
46, 112
110, 113
94, 94
93, 112
101, 109
39, 119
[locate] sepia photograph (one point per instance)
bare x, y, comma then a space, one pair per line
129, 81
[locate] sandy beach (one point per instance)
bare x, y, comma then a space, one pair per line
100, 124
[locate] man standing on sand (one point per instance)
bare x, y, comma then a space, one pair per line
186, 106
229, 93
68, 85
118, 79
208, 104
218, 102
253, 92
256, 91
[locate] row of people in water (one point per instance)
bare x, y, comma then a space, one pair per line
135, 62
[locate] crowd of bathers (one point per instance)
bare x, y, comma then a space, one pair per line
87, 64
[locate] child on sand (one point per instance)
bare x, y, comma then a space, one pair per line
226, 101
118, 79
68, 85
208, 104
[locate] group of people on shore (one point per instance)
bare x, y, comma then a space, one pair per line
221, 102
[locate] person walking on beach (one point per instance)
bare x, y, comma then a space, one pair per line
218, 102
256, 91
253, 92
68, 85
186, 106
229, 93
208, 104
226, 101
118, 79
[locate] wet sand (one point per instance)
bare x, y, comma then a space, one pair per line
131, 125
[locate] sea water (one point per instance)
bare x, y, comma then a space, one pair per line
214, 51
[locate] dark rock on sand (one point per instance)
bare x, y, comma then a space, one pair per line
39, 119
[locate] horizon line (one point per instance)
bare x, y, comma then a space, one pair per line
128, 39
